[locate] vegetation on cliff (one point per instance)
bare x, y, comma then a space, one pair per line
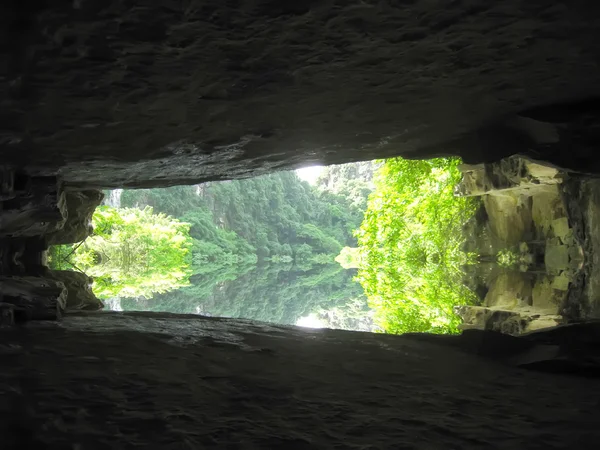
133, 252
409, 258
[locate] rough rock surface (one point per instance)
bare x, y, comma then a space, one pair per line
34, 298
128, 93
582, 199
526, 218
79, 289
104, 381
508, 174
80, 206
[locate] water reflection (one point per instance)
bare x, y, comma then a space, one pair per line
542, 276
531, 255
323, 295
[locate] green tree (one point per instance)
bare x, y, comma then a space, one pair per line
270, 216
409, 243
134, 252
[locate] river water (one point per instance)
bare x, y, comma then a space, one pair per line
314, 296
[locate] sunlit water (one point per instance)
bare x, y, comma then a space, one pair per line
322, 296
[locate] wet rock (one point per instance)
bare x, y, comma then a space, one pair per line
509, 218
157, 380
488, 319
515, 172
516, 303
546, 206
547, 298
511, 322
561, 282
561, 228
509, 289
79, 290
80, 206
7, 181
23, 256
556, 257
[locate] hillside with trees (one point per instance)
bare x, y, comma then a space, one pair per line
262, 248
372, 245
133, 252
274, 218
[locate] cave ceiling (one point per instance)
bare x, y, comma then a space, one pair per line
129, 93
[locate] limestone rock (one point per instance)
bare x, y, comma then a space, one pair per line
39, 210
556, 257
483, 318
34, 298
80, 206
513, 173
214, 383
23, 255
561, 228
79, 290
561, 282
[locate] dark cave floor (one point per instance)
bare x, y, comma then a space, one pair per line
120, 381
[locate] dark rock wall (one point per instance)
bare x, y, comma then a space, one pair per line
79, 290
80, 206
137, 93
157, 381
34, 214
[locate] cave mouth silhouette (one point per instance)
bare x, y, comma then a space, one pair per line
127, 94
532, 234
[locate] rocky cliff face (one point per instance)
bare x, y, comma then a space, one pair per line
540, 220
124, 93
80, 206
35, 213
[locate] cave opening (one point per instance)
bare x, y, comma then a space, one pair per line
113, 94
383, 246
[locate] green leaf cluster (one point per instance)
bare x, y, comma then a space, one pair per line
133, 252
409, 245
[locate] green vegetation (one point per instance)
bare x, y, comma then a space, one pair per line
262, 248
276, 218
275, 248
133, 252
409, 245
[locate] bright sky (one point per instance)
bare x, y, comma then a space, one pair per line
310, 173
310, 322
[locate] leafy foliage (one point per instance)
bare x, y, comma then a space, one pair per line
263, 248
274, 217
134, 252
409, 243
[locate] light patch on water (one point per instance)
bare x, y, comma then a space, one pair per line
311, 321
